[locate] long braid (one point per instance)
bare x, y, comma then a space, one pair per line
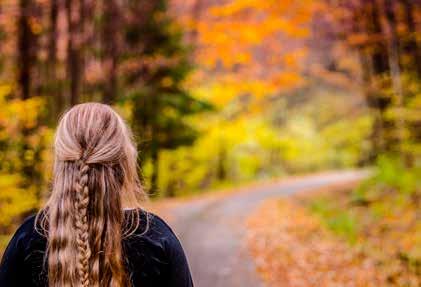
82, 225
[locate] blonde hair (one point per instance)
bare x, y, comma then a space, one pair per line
95, 178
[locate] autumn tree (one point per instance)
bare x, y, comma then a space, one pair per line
382, 32
155, 66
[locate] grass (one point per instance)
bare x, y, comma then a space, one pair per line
341, 222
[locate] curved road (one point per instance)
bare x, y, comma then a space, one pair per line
212, 230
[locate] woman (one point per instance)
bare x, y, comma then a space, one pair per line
91, 231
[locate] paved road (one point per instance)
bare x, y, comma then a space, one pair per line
212, 230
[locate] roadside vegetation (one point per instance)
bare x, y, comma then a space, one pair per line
382, 218
360, 234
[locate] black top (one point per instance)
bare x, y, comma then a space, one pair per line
153, 258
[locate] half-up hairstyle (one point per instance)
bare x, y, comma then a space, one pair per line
95, 178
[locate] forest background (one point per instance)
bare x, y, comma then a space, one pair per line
217, 92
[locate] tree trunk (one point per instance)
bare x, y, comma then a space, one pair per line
373, 64
26, 47
52, 42
111, 51
155, 144
376, 136
412, 46
222, 158
73, 50
172, 181
56, 103
395, 71
155, 165
379, 55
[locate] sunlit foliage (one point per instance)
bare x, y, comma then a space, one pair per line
23, 142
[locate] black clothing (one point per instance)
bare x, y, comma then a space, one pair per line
154, 258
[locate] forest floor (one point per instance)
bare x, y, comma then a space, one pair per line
321, 238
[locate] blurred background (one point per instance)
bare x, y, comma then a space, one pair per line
221, 93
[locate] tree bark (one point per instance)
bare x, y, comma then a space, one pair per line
73, 50
155, 166
155, 145
26, 47
379, 55
111, 52
56, 103
412, 46
395, 71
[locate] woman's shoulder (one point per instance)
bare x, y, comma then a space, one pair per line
157, 235
157, 250
150, 224
154, 230
27, 227
23, 238
28, 222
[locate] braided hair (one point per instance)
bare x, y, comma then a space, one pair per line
81, 224
95, 177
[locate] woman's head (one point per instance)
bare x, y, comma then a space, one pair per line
95, 134
95, 176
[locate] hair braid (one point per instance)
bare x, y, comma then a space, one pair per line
81, 224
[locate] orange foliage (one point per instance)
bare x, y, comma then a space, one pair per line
250, 40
